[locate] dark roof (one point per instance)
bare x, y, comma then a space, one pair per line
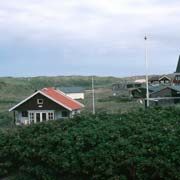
155, 78
178, 66
72, 89
153, 88
176, 88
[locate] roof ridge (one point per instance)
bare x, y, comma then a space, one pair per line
68, 97
63, 94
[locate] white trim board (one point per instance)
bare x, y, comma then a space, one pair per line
43, 95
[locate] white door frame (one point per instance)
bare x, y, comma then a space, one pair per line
40, 112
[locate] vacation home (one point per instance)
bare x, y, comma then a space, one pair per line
45, 104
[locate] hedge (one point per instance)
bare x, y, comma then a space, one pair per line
143, 145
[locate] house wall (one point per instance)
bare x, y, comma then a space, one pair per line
166, 93
162, 102
32, 104
164, 81
20, 119
26, 120
76, 95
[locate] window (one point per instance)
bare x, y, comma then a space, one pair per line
44, 117
50, 116
24, 114
178, 78
64, 114
39, 101
38, 117
31, 117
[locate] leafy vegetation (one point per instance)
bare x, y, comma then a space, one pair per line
142, 145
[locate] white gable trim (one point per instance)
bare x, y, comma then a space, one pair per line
164, 77
43, 95
55, 101
24, 101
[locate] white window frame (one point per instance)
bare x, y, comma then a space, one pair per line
31, 117
40, 101
50, 115
41, 112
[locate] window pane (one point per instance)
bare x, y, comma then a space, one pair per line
39, 101
24, 114
64, 114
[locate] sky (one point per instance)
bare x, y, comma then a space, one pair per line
88, 37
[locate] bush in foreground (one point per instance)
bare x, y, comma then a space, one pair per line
143, 145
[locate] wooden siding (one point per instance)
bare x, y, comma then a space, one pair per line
31, 104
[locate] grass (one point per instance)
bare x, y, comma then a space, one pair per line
104, 102
13, 90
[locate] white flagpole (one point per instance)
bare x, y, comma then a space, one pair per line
147, 84
93, 102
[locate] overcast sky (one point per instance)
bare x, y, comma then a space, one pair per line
88, 37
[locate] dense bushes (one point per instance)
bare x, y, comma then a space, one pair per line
144, 146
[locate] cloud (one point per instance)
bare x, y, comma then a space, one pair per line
97, 31
83, 18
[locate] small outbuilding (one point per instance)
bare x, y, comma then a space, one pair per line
73, 92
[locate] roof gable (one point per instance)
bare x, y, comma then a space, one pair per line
164, 77
56, 96
61, 98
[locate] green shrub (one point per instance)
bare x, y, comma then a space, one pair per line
144, 146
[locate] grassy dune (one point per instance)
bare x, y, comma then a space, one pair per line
13, 90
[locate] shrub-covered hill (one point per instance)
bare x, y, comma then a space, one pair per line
143, 145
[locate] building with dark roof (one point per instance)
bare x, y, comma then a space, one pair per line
166, 96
